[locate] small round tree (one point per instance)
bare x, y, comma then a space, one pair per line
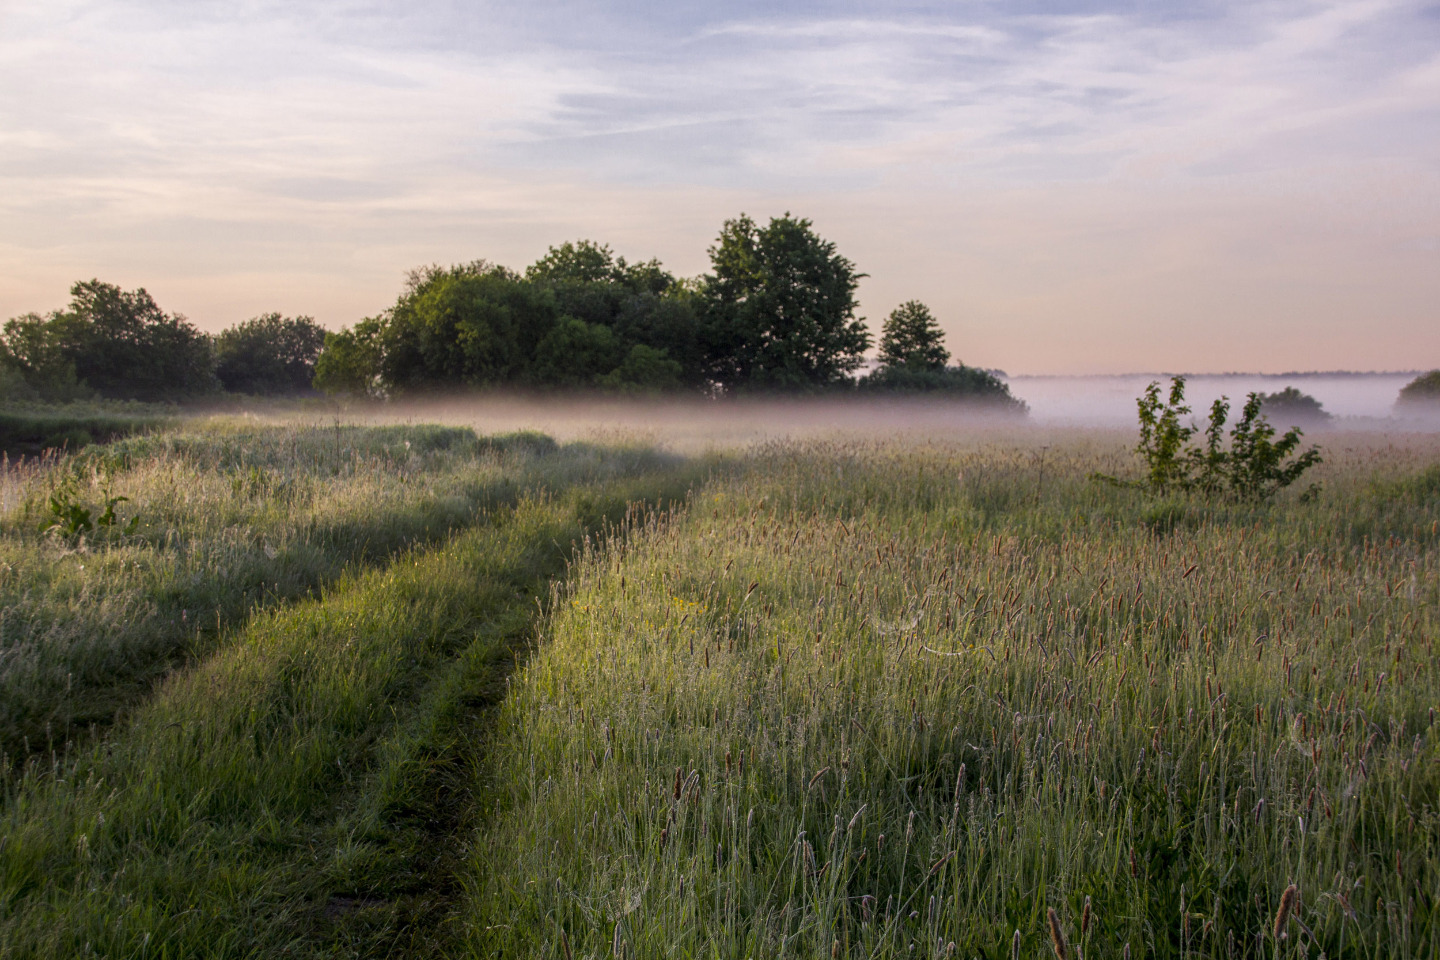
911, 338
1290, 406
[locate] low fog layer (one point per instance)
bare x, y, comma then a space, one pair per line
1355, 400
690, 424
1058, 404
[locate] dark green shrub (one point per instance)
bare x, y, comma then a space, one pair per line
1293, 407
960, 382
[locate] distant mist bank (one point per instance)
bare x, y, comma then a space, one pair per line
1110, 400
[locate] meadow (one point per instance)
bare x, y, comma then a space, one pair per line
934, 695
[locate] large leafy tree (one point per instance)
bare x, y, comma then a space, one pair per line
911, 338
587, 262
269, 354
779, 307
124, 345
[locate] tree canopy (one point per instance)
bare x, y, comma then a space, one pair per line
1290, 406
269, 354
776, 312
779, 308
911, 338
114, 343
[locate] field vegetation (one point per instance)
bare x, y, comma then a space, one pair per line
212, 522
409, 691
866, 700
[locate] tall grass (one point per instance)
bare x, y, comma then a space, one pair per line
230, 516
279, 798
898, 700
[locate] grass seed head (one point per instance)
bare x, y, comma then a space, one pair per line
1057, 936
1287, 907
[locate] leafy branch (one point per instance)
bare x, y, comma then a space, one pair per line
1255, 466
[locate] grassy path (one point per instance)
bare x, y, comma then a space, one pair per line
231, 519
299, 793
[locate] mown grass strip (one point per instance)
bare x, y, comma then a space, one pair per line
263, 794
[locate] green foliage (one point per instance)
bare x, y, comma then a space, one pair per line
641, 304
779, 308
1163, 437
586, 263
1255, 466
1423, 391
116, 343
911, 338
13, 387
349, 363
269, 354
70, 518
967, 383
575, 354
644, 370
35, 351
474, 325
32, 431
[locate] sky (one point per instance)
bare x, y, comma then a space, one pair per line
1072, 187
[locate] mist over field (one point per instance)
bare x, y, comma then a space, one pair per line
1110, 400
1057, 405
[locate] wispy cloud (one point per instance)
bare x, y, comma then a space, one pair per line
131, 132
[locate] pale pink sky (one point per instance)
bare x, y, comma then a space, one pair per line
1073, 187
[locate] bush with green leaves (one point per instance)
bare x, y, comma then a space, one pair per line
1255, 466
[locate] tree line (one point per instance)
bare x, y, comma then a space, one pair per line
776, 313
118, 344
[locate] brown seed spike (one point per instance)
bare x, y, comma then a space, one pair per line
1057, 936
1015, 946
1085, 917
1287, 907
677, 783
